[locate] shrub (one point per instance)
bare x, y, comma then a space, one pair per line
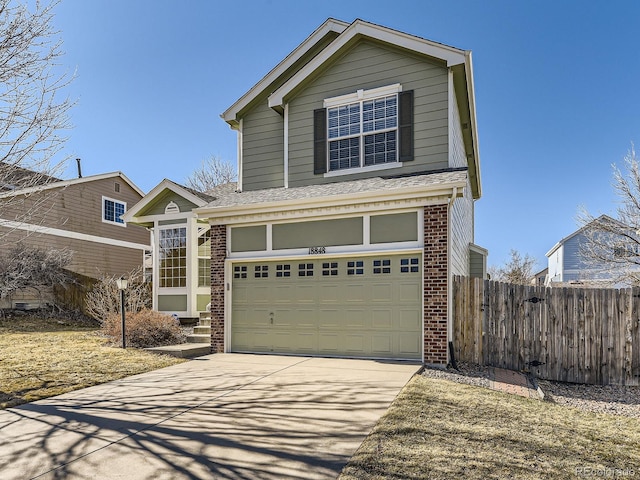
143, 329
103, 300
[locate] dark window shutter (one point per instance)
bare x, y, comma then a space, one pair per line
405, 125
320, 141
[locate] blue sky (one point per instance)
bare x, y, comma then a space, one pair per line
556, 92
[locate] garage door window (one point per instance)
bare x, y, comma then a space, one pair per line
261, 271
283, 271
305, 269
329, 269
355, 267
409, 265
240, 271
382, 266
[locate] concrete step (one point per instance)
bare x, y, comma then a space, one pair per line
205, 322
185, 350
202, 330
199, 338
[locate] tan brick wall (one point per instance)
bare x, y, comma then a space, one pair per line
218, 254
435, 284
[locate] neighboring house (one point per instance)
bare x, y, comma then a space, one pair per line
82, 215
358, 172
540, 278
567, 265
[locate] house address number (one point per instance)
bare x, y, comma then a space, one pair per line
317, 250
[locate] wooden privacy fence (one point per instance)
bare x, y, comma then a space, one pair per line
581, 335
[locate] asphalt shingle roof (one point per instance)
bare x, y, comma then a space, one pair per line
230, 198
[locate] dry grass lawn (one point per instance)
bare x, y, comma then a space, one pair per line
437, 429
41, 358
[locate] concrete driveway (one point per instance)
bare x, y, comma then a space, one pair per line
224, 416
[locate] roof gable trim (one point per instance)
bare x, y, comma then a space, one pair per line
452, 56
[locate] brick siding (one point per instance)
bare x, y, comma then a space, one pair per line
218, 255
435, 284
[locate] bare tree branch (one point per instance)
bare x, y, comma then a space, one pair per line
33, 117
611, 250
213, 172
518, 269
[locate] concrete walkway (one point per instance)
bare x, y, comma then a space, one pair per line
225, 416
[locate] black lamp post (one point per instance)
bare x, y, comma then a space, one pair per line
122, 286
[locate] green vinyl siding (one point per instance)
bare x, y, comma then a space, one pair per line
322, 233
369, 65
249, 239
262, 149
400, 227
175, 221
172, 303
157, 206
461, 230
202, 301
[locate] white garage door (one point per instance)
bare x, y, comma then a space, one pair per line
352, 307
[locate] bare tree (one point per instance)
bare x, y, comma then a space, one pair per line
518, 269
213, 172
611, 249
25, 267
33, 117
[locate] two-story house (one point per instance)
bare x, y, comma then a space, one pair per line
613, 254
358, 172
82, 215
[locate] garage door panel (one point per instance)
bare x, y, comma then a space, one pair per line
356, 293
355, 319
336, 307
305, 293
354, 344
328, 294
329, 318
328, 343
382, 318
409, 320
408, 344
382, 292
382, 345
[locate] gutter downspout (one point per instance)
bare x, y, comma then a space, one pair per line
286, 145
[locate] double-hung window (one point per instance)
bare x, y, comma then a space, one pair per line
112, 210
364, 130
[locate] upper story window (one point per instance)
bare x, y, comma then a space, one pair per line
363, 133
112, 210
368, 129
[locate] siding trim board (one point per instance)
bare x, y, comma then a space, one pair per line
57, 232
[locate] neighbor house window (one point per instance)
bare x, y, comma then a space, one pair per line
172, 257
204, 257
364, 129
112, 209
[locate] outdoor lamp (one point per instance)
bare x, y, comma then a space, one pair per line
122, 286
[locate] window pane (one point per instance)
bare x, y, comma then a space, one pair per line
172, 257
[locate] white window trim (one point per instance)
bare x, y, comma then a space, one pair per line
363, 95
359, 96
367, 168
158, 258
104, 220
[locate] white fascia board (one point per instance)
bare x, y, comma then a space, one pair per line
471, 95
165, 184
397, 198
553, 249
452, 56
73, 181
331, 25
